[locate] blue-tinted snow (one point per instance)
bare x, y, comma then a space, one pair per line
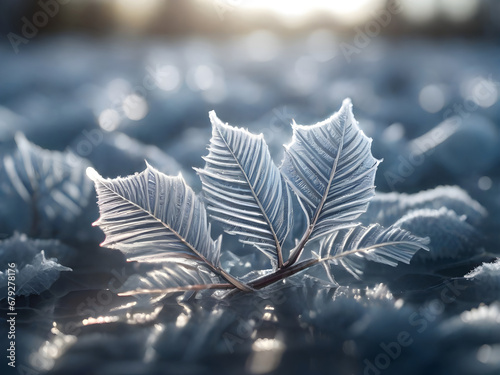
72, 93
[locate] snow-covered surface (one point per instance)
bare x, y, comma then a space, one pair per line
68, 93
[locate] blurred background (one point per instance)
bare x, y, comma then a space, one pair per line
149, 71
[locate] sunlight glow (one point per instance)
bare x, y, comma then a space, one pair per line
482, 315
266, 355
299, 7
135, 14
349, 11
99, 320
182, 320
143, 317
45, 358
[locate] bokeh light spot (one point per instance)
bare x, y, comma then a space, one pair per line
168, 78
109, 120
135, 107
431, 98
262, 45
484, 183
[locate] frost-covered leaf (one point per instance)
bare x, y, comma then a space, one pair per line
244, 189
452, 237
156, 218
34, 273
382, 245
36, 276
42, 192
153, 217
387, 208
330, 167
39, 275
21, 249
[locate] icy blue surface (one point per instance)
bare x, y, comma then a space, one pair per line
55, 93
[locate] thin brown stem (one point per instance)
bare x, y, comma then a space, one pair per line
261, 282
282, 274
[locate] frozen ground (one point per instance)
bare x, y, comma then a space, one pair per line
433, 110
